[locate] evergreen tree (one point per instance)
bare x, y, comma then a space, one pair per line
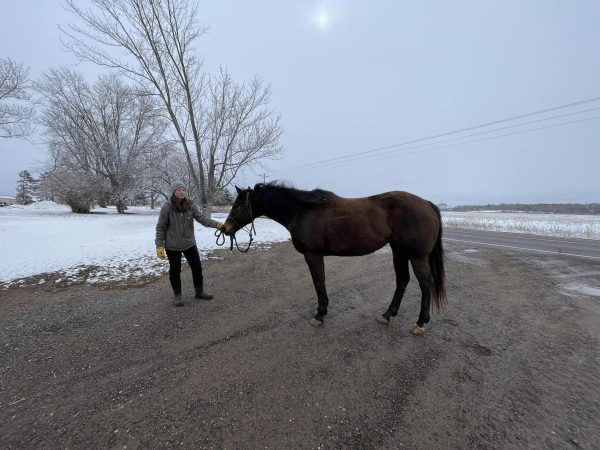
25, 188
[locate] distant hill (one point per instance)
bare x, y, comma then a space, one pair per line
547, 208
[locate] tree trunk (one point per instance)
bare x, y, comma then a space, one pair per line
121, 207
102, 200
210, 198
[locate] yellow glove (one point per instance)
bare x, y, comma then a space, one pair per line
160, 252
220, 226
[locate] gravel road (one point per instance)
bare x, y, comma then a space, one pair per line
512, 362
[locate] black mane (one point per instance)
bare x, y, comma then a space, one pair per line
316, 197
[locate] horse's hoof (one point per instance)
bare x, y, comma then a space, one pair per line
315, 323
382, 320
417, 330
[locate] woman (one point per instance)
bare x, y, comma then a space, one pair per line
175, 234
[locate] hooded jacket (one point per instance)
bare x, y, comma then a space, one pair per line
175, 229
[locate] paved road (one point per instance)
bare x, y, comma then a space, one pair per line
583, 248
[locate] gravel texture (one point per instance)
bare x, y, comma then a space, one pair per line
512, 362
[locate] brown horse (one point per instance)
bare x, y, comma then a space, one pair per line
322, 223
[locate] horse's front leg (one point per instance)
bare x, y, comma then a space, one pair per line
317, 271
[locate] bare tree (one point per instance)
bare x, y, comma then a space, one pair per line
237, 128
106, 129
16, 113
44, 187
163, 167
68, 183
75, 188
159, 37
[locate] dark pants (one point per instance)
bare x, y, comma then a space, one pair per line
193, 259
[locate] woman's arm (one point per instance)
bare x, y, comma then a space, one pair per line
161, 226
202, 219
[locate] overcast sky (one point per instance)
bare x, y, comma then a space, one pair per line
349, 77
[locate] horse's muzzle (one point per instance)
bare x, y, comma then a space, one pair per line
228, 228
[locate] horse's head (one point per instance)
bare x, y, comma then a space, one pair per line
243, 211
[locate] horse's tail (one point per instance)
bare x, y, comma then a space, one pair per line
436, 263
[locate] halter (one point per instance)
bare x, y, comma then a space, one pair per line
219, 234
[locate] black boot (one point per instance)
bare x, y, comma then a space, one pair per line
177, 300
201, 293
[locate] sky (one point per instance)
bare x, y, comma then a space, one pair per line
349, 77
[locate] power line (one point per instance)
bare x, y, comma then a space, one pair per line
362, 157
379, 149
370, 158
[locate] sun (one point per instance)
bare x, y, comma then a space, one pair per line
321, 18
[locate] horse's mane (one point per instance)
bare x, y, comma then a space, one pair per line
316, 197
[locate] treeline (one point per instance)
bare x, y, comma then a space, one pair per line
83, 196
547, 208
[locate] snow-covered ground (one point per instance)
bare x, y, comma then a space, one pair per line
104, 246
45, 243
559, 225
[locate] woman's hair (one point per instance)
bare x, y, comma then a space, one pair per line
181, 204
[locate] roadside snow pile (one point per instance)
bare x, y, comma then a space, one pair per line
46, 238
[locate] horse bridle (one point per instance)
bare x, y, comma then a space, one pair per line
219, 233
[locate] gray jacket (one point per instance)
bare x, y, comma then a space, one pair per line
175, 229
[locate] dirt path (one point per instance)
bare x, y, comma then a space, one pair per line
512, 362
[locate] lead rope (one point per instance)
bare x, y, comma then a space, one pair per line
219, 234
221, 238
252, 231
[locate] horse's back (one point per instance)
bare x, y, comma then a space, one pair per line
404, 213
358, 226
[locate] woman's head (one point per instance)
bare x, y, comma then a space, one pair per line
179, 195
178, 189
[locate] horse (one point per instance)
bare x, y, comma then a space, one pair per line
321, 224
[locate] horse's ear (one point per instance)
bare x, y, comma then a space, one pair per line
239, 191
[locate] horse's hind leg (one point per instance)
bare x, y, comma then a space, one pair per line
317, 272
423, 273
402, 279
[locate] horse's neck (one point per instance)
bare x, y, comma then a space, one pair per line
280, 209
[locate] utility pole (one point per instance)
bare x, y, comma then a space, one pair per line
264, 178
